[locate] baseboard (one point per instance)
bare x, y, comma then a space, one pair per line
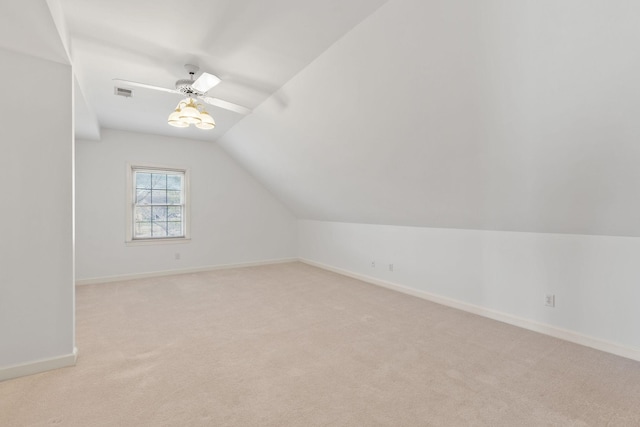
564, 334
118, 278
38, 366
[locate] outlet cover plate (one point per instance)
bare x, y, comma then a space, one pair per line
550, 300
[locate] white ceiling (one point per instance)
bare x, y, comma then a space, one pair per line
254, 46
506, 115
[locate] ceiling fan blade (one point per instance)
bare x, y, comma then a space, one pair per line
205, 82
226, 105
145, 86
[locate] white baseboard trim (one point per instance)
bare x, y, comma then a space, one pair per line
39, 366
118, 278
543, 328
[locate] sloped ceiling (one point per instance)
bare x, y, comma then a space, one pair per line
495, 114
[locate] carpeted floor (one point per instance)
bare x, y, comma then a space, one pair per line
293, 345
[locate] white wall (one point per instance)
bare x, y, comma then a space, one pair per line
595, 278
36, 243
233, 218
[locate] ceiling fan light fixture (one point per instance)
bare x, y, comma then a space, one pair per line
207, 121
187, 113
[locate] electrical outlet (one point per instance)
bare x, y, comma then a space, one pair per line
177, 256
390, 267
373, 264
550, 300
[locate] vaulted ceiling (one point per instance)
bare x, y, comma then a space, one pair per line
494, 114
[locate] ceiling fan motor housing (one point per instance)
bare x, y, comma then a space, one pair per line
184, 87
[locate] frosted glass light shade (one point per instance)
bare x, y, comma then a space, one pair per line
174, 120
207, 121
190, 114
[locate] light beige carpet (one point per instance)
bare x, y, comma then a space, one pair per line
293, 345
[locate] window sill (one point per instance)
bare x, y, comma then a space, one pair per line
147, 242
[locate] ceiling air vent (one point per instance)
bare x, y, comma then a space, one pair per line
120, 91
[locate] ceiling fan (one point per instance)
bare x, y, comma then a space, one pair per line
191, 88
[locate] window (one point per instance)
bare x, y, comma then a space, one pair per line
158, 209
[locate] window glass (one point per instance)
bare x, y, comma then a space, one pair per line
158, 204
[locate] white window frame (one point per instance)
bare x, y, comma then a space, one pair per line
130, 205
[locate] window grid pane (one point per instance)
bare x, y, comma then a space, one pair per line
143, 180
158, 197
159, 181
